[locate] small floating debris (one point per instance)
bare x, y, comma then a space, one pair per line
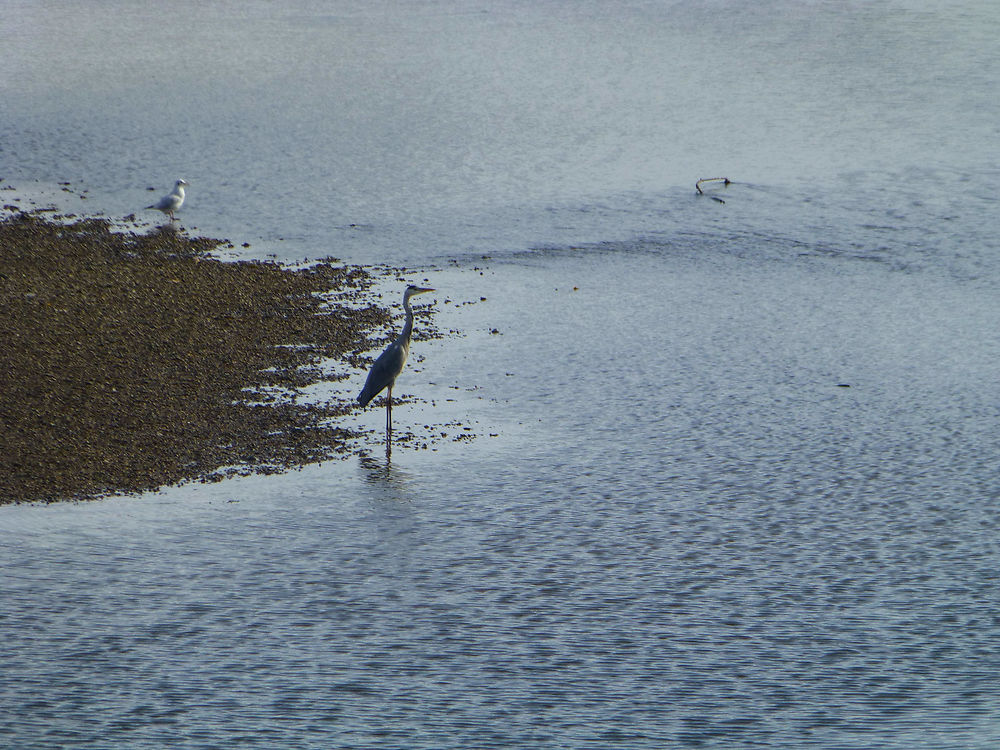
724, 180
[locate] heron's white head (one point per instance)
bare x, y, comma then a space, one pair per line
412, 291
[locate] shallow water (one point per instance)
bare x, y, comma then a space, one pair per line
734, 473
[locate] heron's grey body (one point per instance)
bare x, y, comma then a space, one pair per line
172, 201
390, 363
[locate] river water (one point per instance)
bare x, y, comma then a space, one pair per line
731, 474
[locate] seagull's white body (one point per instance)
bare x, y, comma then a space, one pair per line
173, 201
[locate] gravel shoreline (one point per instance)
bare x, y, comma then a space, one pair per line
134, 361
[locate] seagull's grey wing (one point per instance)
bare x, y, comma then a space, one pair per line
166, 203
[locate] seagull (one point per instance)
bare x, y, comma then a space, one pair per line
172, 202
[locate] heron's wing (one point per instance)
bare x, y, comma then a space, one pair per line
383, 373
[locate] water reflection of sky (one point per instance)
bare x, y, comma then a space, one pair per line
673, 526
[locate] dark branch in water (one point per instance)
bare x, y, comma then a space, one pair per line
724, 180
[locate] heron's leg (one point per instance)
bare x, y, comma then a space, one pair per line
388, 422
388, 413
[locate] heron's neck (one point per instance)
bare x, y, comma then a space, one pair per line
408, 326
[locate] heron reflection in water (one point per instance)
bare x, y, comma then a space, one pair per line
390, 363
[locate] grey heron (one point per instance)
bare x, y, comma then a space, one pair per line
390, 363
172, 201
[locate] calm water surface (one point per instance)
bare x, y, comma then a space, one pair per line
734, 477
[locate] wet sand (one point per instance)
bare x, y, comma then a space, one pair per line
133, 361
